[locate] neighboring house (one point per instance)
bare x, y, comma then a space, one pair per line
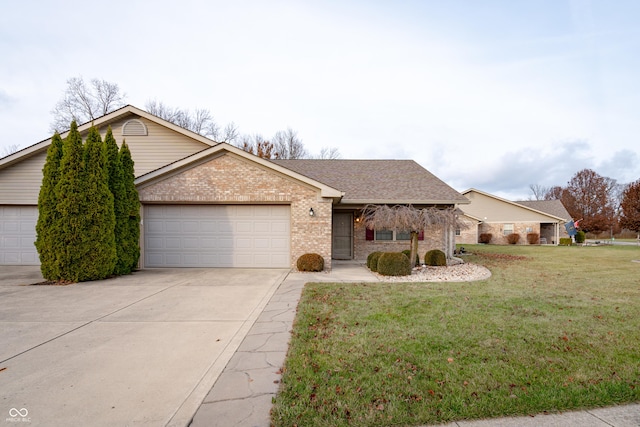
209, 204
499, 217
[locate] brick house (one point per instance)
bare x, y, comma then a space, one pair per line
209, 204
499, 217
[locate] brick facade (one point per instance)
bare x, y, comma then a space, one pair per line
433, 239
497, 230
230, 179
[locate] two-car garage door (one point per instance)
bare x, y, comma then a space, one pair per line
217, 236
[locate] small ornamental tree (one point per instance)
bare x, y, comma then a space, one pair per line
630, 207
98, 245
48, 218
130, 243
414, 220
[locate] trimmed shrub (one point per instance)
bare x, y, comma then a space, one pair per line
580, 236
513, 238
373, 262
407, 252
533, 238
485, 238
435, 258
394, 264
565, 241
310, 262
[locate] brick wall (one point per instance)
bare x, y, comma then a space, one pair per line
497, 230
232, 179
362, 247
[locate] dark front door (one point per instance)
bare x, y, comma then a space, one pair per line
342, 235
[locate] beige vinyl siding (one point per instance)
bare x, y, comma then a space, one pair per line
160, 147
20, 183
493, 210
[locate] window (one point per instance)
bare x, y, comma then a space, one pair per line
457, 231
384, 235
507, 229
391, 235
403, 235
529, 229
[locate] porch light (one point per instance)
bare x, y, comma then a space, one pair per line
311, 212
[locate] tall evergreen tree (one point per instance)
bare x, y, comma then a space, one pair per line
116, 184
69, 193
47, 227
98, 247
131, 244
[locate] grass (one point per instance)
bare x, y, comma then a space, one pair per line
553, 329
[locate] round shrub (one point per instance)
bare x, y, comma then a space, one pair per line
310, 262
435, 258
373, 261
407, 252
394, 264
580, 236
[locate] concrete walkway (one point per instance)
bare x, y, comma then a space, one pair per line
243, 394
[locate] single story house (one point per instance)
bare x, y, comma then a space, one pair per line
210, 204
499, 217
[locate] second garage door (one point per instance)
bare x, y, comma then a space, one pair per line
217, 236
17, 234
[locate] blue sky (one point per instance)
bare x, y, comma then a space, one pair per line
495, 95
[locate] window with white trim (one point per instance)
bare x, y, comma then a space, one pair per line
507, 229
391, 235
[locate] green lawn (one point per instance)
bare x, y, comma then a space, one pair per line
554, 328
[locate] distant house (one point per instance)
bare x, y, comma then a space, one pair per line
210, 204
499, 217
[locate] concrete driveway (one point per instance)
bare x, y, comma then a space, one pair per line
142, 349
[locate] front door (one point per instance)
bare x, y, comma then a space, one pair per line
342, 235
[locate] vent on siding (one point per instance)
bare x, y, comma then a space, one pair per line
134, 128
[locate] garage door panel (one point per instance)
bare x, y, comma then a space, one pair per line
17, 235
217, 236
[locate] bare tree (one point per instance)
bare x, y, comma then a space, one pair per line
83, 103
414, 220
9, 149
200, 121
329, 153
288, 145
259, 146
539, 191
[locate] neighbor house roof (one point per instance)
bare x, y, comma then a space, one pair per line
377, 181
552, 207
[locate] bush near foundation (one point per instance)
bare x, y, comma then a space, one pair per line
435, 258
485, 238
565, 241
513, 238
310, 262
407, 252
533, 238
372, 260
394, 264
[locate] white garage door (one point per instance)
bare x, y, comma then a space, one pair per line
216, 236
17, 234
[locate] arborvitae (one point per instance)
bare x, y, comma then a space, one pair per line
131, 245
47, 227
116, 184
98, 243
69, 193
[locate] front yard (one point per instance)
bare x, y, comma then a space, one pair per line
554, 328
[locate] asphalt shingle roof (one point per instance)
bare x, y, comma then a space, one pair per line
377, 181
552, 207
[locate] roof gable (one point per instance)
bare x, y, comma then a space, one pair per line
377, 181
222, 148
102, 122
494, 208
